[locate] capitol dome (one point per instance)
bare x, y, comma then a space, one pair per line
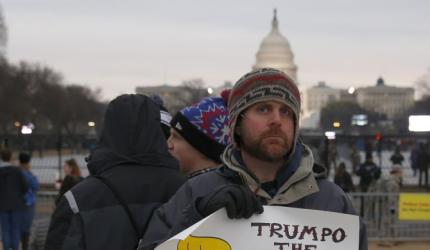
275, 52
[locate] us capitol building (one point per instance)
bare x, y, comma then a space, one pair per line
275, 52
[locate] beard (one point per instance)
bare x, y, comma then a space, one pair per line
270, 146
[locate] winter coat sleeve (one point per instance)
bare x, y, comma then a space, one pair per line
65, 230
24, 185
171, 218
34, 183
67, 184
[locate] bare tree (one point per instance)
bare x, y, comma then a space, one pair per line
196, 89
31, 93
3, 33
423, 85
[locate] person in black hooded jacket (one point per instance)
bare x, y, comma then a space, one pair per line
131, 174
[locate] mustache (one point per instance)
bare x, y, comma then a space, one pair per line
274, 132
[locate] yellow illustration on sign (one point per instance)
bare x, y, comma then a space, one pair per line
414, 206
203, 243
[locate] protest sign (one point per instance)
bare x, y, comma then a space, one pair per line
278, 228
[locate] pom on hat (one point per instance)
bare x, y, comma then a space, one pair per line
225, 94
205, 126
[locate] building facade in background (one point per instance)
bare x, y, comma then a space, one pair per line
317, 97
174, 97
390, 100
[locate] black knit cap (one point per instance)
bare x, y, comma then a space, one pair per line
204, 125
165, 116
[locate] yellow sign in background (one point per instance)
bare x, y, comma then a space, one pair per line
414, 206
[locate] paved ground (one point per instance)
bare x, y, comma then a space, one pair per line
400, 246
397, 246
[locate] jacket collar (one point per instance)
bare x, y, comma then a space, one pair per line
299, 185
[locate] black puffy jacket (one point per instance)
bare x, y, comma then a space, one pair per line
132, 155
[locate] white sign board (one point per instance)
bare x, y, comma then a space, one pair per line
278, 228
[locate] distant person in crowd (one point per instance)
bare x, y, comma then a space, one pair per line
72, 177
424, 162
199, 135
368, 173
265, 163
386, 207
414, 158
332, 155
343, 179
13, 188
30, 199
131, 174
355, 159
397, 158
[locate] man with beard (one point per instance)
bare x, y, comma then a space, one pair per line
266, 164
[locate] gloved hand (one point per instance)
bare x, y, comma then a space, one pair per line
239, 201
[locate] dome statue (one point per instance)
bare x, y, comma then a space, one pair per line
275, 52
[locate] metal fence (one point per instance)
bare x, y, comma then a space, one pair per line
382, 219
382, 224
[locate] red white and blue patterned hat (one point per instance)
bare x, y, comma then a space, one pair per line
205, 125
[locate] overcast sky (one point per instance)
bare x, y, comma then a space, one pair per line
118, 45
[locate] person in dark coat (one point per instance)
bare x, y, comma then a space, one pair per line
72, 177
266, 164
368, 172
27, 215
13, 188
343, 179
397, 158
424, 163
131, 174
414, 158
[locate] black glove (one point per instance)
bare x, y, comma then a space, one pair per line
239, 201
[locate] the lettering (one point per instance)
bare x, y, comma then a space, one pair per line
338, 238
295, 232
294, 246
309, 230
260, 226
298, 232
274, 228
325, 232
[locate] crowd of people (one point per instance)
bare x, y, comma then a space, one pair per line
18, 187
18, 192
153, 175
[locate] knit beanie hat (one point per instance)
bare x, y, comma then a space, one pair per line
205, 126
265, 84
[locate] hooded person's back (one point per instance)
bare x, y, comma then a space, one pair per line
132, 156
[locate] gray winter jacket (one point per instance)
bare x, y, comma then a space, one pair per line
306, 188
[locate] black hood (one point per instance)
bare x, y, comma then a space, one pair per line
131, 135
